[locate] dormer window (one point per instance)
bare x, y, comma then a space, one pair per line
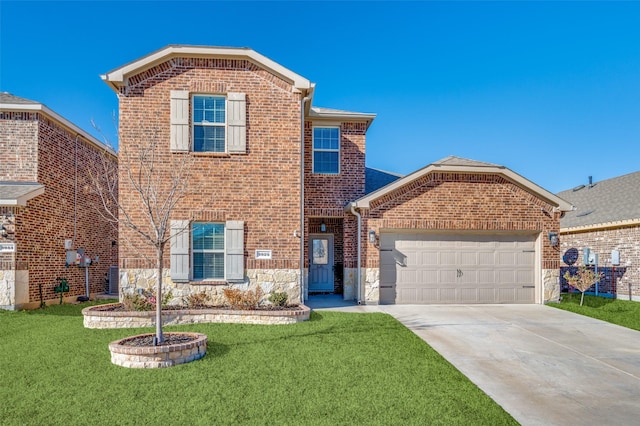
326, 150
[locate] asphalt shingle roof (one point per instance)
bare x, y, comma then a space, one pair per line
607, 201
8, 98
376, 179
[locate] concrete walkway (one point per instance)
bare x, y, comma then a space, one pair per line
542, 365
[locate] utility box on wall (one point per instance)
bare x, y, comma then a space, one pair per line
615, 257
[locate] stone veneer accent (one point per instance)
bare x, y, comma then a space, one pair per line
158, 356
270, 280
95, 318
551, 285
371, 286
7, 289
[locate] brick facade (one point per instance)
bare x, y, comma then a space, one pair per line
39, 149
602, 241
261, 187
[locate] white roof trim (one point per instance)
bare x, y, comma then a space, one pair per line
22, 199
561, 204
118, 76
602, 225
60, 119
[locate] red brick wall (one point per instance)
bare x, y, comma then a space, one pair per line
18, 131
625, 240
449, 201
48, 219
262, 187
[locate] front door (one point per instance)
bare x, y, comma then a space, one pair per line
321, 263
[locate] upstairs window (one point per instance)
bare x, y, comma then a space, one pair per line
209, 123
326, 150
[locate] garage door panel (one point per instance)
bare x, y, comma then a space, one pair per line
462, 268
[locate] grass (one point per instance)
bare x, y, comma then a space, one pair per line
337, 369
616, 311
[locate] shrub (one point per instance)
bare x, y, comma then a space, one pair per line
243, 299
279, 298
144, 300
197, 299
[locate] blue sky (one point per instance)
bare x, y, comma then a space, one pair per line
550, 90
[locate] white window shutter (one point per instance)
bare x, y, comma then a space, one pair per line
179, 121
234, 245
180, 237
237, 123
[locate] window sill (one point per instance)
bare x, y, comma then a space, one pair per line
208, 282
211, 154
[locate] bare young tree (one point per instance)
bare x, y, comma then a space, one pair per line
583, 280
139, 194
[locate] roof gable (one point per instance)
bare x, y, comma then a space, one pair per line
118, 77
462, 165
609, 201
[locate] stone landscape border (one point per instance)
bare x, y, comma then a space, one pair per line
97, 317
158, 356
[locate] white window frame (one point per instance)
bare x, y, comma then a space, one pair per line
209, 124
314, 149
192, 251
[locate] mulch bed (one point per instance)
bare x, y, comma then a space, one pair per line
169, 339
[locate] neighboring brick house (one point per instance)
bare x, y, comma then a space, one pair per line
606, 220
45, 199
259, 215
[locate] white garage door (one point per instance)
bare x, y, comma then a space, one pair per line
447, 268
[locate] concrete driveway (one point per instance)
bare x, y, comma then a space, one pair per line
542, 365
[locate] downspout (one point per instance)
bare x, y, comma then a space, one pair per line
359, 241
301, 235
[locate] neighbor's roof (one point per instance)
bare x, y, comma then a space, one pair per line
464, 165
118, 77
18, 193
9, 102
375, 179
611, 202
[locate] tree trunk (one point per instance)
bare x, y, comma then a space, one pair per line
159, 337
581, 298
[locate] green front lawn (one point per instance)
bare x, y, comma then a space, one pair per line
617, 311
338, 368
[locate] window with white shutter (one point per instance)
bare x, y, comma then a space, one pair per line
179, 244
179, 121
235, 250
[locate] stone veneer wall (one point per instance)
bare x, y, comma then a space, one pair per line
550, 285
270, 280
7, 289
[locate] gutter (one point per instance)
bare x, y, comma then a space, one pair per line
359, 241
301, 235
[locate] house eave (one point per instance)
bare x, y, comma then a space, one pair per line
21, 200
600, 226
59, 119
560, 204
117, 78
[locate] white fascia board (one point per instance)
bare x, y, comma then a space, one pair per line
526, 184
60, 119
117, 77
601, 226
21, 200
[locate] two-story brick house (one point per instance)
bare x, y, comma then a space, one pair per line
278, 195
47, 207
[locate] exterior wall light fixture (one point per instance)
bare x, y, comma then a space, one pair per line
553, 239
372, 236
323, 227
